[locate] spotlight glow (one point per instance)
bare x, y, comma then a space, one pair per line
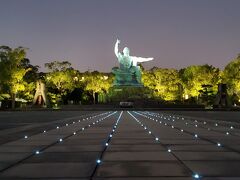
25, 137
37, 152
98, 161
169, 150
196, 176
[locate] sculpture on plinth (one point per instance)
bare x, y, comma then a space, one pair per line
40, 97
128, 73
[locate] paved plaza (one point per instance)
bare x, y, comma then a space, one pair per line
134, 145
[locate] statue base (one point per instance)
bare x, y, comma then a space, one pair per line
127, 77
127, 93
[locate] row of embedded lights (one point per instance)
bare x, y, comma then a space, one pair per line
196, 121
186, 123
110, 137
82, 129
58, 127
156, 138
166, 124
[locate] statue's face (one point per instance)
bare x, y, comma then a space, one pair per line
126, 51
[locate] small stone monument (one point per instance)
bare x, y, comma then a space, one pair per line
128, 73
222, 99
40, 97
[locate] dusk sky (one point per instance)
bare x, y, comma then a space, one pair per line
177, 33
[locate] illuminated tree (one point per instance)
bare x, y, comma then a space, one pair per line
166, 83
30, 79
60, 77
193, 77
231, 76
97, 83
12, 73
148, 79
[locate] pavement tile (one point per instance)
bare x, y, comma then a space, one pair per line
53, 157
30, 143
193, 142
224, 156
18, 148
8, 157
141, 169
136, 147
49, 170
84, 141
220, 178
196, 147
4, 165
138, 156
215, 168
133, 141
145, 178
74, 148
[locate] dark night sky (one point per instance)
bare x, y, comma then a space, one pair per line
177, 33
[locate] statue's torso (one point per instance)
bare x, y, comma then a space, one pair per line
125, 61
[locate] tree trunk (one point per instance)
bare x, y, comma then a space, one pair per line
94, 98
13, 100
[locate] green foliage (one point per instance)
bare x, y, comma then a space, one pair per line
12, 73
18, 80
60, 76
193, 77
32, 75
58, 66
231, 76
96, 82
55, 99
165, 83
29, 91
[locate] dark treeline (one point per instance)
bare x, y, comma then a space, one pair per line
65, 84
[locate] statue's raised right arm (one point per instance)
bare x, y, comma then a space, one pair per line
116, 48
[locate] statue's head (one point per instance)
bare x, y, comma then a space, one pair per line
126, 51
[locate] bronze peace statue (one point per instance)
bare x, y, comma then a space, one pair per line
128, 73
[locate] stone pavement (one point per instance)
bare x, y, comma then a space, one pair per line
123, 145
